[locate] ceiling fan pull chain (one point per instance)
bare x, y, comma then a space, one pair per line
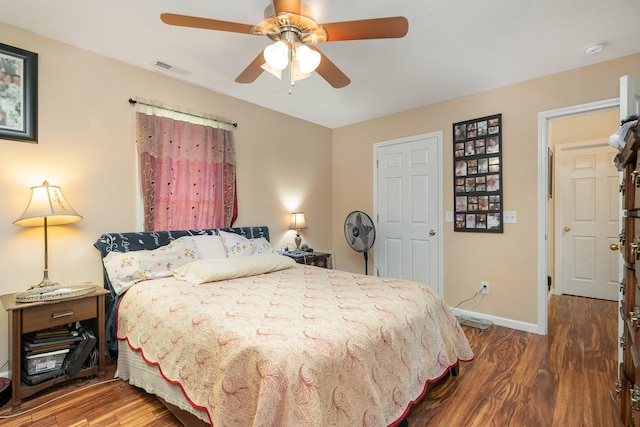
292, 83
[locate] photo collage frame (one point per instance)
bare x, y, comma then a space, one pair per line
477, 170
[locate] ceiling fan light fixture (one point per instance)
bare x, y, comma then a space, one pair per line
277, 55
272, 71
308, 59
296, 72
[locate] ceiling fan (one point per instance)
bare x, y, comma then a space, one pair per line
291, 26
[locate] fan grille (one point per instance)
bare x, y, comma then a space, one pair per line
359, 231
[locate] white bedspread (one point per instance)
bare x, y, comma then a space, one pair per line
303, 346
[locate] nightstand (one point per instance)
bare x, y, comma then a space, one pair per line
31, 317
319, 259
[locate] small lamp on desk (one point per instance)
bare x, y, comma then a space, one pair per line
47, 207
298, 223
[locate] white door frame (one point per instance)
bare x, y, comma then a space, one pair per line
439, 137
543, 172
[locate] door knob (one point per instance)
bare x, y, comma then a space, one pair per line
432, 232
567, 228
614, 247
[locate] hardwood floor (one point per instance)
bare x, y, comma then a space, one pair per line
564, 379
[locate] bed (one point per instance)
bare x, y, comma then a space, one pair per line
254, 339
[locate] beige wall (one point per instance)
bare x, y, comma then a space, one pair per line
86, 145
508, 260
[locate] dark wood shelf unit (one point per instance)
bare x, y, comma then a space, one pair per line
31, 317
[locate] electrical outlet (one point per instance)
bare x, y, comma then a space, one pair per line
484, 288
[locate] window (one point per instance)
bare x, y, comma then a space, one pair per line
187, 169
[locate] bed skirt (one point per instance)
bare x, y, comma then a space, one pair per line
132, 368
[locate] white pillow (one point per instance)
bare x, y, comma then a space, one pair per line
236, 245
128, 268
210, 246
211, 270
262, 246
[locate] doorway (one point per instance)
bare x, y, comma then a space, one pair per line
546, 237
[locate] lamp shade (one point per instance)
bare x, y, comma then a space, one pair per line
297, 221
308, 59
48, 202
277, 55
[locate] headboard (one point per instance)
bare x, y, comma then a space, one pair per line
149, 240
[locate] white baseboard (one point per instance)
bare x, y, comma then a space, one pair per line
5, 374
500, 321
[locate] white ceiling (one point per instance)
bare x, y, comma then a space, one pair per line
453, 47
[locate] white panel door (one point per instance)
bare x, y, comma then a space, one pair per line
408, 202
590, 212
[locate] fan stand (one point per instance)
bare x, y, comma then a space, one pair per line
366, 263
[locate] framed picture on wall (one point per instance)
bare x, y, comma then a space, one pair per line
477, 169
18, 94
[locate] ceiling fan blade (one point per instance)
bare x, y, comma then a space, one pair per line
330, 72
291, 6
380, 28
253, 70
204, 23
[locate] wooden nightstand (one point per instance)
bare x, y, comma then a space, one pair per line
30, 317
319, 259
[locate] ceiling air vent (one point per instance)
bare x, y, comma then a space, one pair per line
163, 66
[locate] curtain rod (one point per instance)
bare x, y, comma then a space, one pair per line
133, 101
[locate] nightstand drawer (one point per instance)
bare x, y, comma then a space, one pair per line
61, 313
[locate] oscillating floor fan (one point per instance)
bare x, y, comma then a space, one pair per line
360, 234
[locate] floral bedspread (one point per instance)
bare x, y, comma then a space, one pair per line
305, 346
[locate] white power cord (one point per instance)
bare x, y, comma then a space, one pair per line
466, 300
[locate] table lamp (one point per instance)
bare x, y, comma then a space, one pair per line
298, 223
47, 207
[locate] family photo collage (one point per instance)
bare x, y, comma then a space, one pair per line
477, 158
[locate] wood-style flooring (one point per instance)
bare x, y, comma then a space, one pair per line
564, 379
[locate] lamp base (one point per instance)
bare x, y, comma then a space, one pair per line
49, 293
45, 282
298, 240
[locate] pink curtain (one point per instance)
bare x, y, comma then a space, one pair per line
188, 173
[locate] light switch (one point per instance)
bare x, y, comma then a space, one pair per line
510, 217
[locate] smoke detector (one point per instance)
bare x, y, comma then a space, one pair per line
594, 48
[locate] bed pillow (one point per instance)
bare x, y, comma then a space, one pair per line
128, 268
212, 270
210, 246
236, 245
262, 246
